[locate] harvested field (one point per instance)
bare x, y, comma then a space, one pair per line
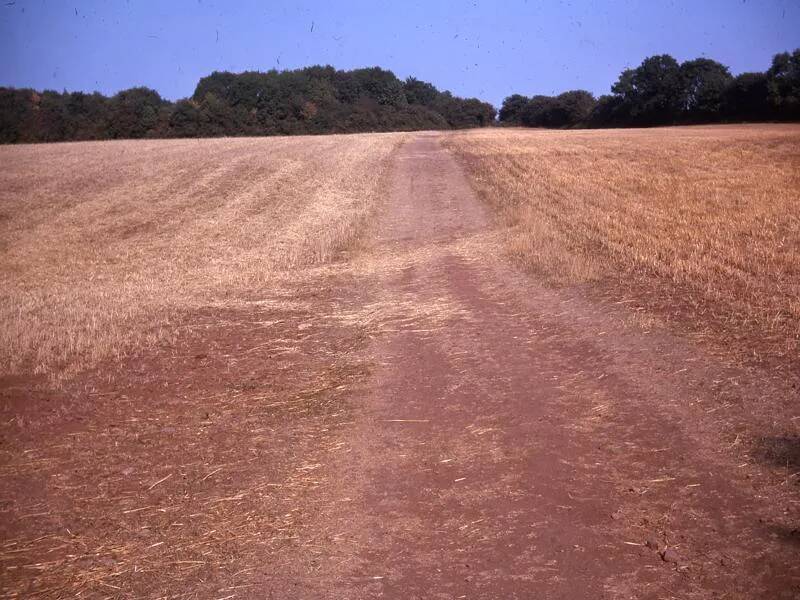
700, 225
102, 243
174, 374
305, 368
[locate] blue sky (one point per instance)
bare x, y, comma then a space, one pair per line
473, 48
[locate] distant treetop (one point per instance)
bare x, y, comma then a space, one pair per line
660, 91
312, 100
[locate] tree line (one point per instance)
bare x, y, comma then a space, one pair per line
662, 91
312, 100
321, 99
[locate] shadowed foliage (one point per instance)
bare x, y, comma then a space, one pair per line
305, 101
660, 91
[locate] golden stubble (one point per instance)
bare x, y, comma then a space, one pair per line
103, 243
701, 224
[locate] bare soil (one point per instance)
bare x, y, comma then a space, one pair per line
420, 421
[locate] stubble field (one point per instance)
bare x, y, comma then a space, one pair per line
192, 336
102, 243
166, 388
698, 226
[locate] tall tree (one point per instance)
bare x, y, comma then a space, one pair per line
134, 113
609, 111
572, 108
540, 111
653, 91
783, 85
18, 115
512, 109
420, 92
704, 85
746, 97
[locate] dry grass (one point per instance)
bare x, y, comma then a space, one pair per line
187, 476
698, 223
102, 243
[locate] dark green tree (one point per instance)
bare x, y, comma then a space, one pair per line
512, 109
783, 85
745, 98
51, 117
538, 111
571, 109
186, 119
420, 92
704, 85
653, 91
135, 113
379, 85
610, 111
317, 99
86, 115
218, 83
18, 115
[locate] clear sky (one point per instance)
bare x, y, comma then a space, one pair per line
482, 48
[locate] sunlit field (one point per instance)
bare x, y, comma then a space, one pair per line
699, 224
213, 351
101, 242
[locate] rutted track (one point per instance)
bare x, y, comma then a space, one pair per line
529, 444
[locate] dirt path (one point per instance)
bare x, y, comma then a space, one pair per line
520, 443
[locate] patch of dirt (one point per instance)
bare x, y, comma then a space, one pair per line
197, 470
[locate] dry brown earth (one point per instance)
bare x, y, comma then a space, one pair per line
417, 418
